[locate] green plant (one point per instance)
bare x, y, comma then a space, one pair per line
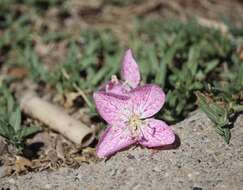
178, 57
10, 121
31, 61
223, 103
84, 69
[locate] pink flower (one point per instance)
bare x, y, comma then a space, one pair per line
129, 113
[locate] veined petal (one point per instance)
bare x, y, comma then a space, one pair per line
147, 100
112, 140
130, 71
156, 133
113, 109
116, 88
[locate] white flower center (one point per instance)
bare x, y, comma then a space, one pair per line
135, 124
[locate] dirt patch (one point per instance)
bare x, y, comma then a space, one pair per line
200, 161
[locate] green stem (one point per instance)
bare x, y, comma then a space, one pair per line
83, 95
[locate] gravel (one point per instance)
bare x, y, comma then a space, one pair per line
200, 160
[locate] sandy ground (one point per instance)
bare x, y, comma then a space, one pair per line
201, 161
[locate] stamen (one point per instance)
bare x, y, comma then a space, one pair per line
135, 124
114, 79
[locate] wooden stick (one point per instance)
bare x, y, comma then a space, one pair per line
57, 119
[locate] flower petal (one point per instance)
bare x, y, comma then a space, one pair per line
147, 100
130, 71
113, 108
113, 140
115, 88
156, 133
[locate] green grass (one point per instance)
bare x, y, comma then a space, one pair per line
10, 121
195, 66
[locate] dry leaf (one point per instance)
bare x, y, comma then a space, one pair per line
22, 164
17, 72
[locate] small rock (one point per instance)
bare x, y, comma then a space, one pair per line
48, 186
2, 171
11, 180
136, 187
130, 156
157, 169
197, 188
113, 172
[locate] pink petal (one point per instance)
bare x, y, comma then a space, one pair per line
130, 71
115, 88
156, 133
113, 140
147, 100
113, 109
